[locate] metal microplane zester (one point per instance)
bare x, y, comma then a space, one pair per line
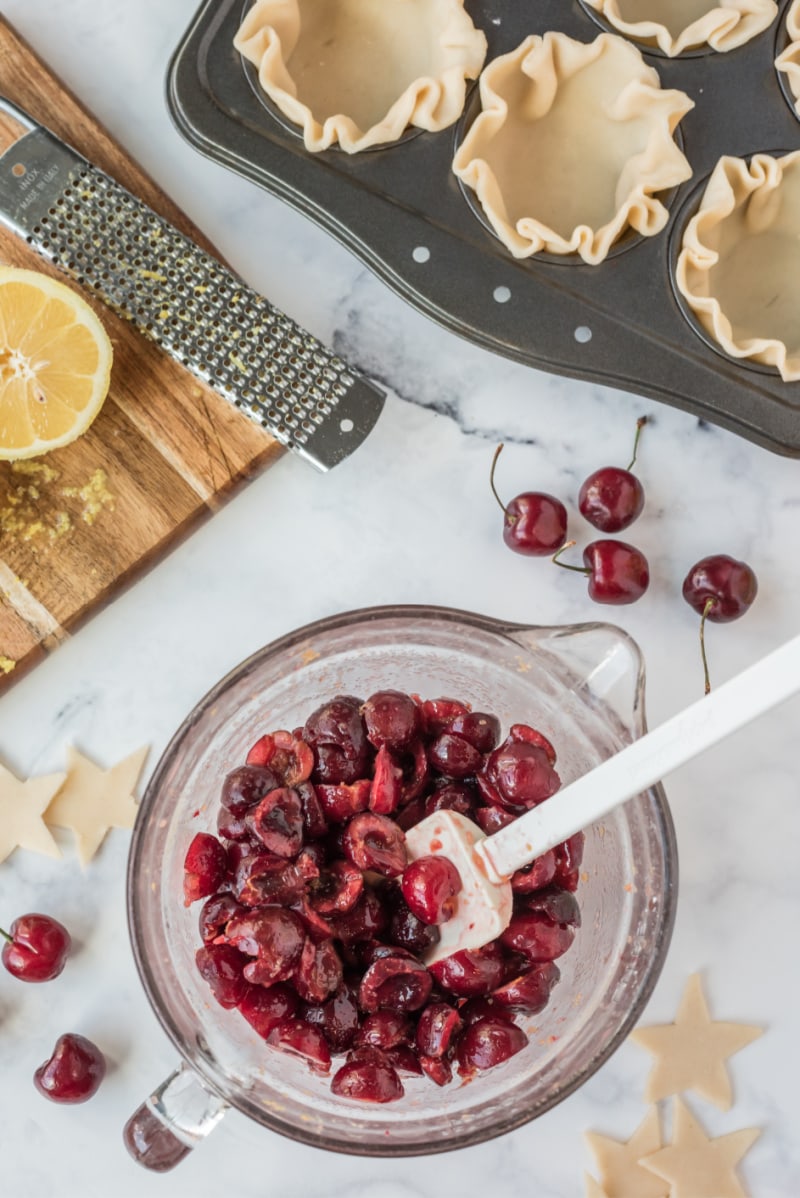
182, 298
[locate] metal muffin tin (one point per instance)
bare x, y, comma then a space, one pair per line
403, 212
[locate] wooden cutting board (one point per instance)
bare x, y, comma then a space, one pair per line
80, 524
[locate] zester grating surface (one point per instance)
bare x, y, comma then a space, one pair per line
182, 298
178, 295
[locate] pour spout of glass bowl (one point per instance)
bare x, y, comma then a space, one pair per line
486, 863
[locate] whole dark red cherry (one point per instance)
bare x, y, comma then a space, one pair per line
534, 523
612, 498
488, 1042
618, 573
720, 589
392, 720
36, 948
406, 930
74, 1071
454, 756
518, 775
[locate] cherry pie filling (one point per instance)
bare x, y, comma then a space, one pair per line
315, 926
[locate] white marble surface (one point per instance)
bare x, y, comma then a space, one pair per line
409, 518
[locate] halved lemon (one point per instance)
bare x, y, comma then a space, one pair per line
55, 364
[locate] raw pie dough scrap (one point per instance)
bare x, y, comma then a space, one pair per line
789, 60
593, 1187
697, 1167
679, 25
22, 808
691, 1052
94, 800
361, 71
573, 143
620, 1173
739, 268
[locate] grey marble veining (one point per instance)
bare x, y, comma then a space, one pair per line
408, 519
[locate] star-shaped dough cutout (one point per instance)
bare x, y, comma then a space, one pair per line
593, 1187
691, 1052
620, 1173
697, 1167
22, 807
93, 800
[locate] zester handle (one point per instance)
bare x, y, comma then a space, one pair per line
185, 300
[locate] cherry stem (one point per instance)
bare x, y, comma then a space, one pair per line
497, 453
640, 423
564, 565
706, 610
6, 936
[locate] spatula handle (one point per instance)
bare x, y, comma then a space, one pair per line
648, 760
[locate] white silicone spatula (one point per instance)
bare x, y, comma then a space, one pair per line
487, 862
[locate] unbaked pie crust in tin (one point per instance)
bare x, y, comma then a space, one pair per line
789, 61
675, 26
572, 146
360, 72
739, 266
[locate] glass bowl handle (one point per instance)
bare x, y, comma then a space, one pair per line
172, 1121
